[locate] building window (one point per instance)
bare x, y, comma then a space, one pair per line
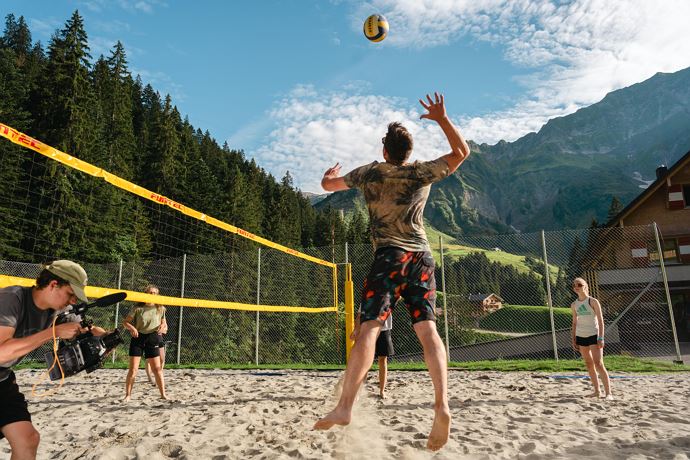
686, 195
670, 252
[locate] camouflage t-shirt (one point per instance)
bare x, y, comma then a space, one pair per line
396, 196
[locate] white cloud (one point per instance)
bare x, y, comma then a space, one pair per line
574, 53
316, 130
113, 26
145, 6
578, 50
43, 29
132, 6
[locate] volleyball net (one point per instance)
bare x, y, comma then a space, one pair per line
231, 295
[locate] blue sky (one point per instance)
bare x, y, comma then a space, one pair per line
295, 84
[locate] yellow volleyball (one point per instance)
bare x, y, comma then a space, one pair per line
375, 28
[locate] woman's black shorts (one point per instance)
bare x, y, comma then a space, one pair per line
12, 403
384, 344
586, 341
146, 344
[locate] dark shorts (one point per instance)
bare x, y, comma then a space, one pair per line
586, 341
12, 403
146, 344
384, 344
398, 273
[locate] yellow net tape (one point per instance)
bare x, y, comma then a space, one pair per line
50, 152
133, 296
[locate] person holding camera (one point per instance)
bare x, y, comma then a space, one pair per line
26, 323
145, 322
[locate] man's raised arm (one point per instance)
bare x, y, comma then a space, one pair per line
331, 181
436, 110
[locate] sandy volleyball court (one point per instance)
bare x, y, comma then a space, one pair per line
269, 414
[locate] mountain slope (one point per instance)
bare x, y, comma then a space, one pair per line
567, 173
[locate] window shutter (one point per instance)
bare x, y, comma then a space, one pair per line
675, 197
638, 251
684, 250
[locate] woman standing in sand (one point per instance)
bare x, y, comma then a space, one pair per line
588, 336
145, 322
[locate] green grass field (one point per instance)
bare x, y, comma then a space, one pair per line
526, 318
614, 363
457, 251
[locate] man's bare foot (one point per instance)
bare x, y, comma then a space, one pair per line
593, 395
609, 397
440, 429
382, 394
165, 397
335, 417
127, 398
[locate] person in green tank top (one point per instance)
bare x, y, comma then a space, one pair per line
588, 336
145, 322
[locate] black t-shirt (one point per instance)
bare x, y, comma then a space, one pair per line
18, 310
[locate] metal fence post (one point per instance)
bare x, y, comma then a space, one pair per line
117, 305
548, 296
679, 358
445, 296
179, 324
258, 302
349, 311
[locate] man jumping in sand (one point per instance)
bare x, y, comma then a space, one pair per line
396, 192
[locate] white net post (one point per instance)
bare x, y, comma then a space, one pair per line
679, 359
549, 302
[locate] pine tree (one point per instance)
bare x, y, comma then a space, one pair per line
17, 37
202, 192
12, 178
357, 228
120, 140
66, 121
121, 213
164, 152
308, 222
289, 230
614, 209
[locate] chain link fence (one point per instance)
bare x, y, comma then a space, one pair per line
509, 296
499, 297
204, 335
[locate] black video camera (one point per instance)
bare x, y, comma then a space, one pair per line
86, 351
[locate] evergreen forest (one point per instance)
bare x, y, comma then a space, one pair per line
96, 110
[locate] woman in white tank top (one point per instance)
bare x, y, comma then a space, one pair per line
588, 336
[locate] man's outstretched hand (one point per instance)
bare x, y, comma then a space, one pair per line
333, 172
436, 109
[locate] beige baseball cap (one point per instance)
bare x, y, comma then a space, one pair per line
73, 273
